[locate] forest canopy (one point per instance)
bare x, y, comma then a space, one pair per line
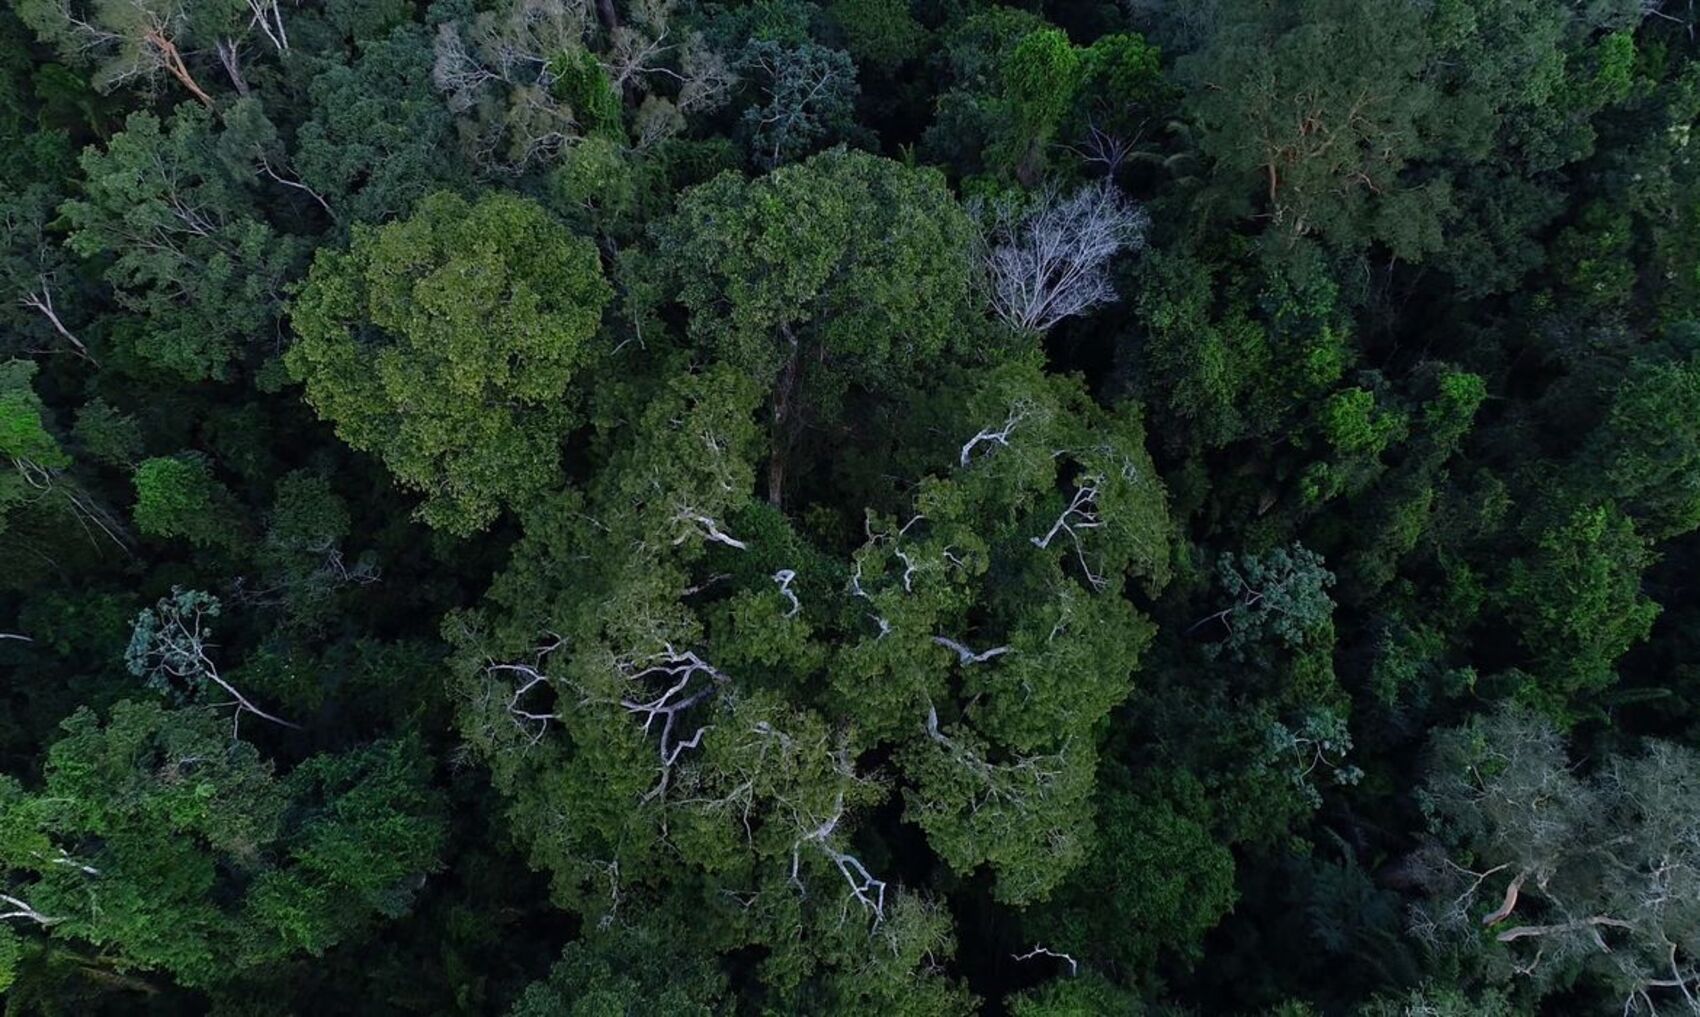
849, 507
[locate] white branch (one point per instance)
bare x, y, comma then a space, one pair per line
1081, 514
968, 656
785, 577
22, 909
864, 888
678, 671
1045, 951
998, 437
708, 528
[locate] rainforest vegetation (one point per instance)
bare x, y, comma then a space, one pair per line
853, 507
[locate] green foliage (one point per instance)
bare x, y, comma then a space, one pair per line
1577, 603
377, 138
880, 33
1240, 363
108, 434
300, 558
448, 344
862, 258
159, 840
623, 970
122, 41
1334, 166
581, 82
1022, 88
178, 496
23, 432
809, 93
171, 205
1278, 596
681, 587
1156, 881
362, 831
1088, 995
1645, 453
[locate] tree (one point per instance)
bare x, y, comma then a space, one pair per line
124, 39
808, 95
626, 968
1016, 80
35, 271
1280, 595
878, 33
34, 453
1577, 604
156, 838
1156, 880
39, 495
1051, 261
1647, 448
1121, 91
300, 560
378, 138
1232, 348
984, 639
835, 272
171, 205
481, 316
177, 496
169, 649
1325, 105
527, 85
1563, 871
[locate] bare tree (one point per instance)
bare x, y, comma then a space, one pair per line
1050, 260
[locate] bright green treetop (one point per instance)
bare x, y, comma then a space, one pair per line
448, 344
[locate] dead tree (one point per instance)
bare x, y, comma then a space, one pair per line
1051, 261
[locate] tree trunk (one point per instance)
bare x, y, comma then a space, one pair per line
42, 302
606, 14
783, 393
232, 62
174, 63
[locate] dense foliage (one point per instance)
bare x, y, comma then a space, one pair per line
864, 507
